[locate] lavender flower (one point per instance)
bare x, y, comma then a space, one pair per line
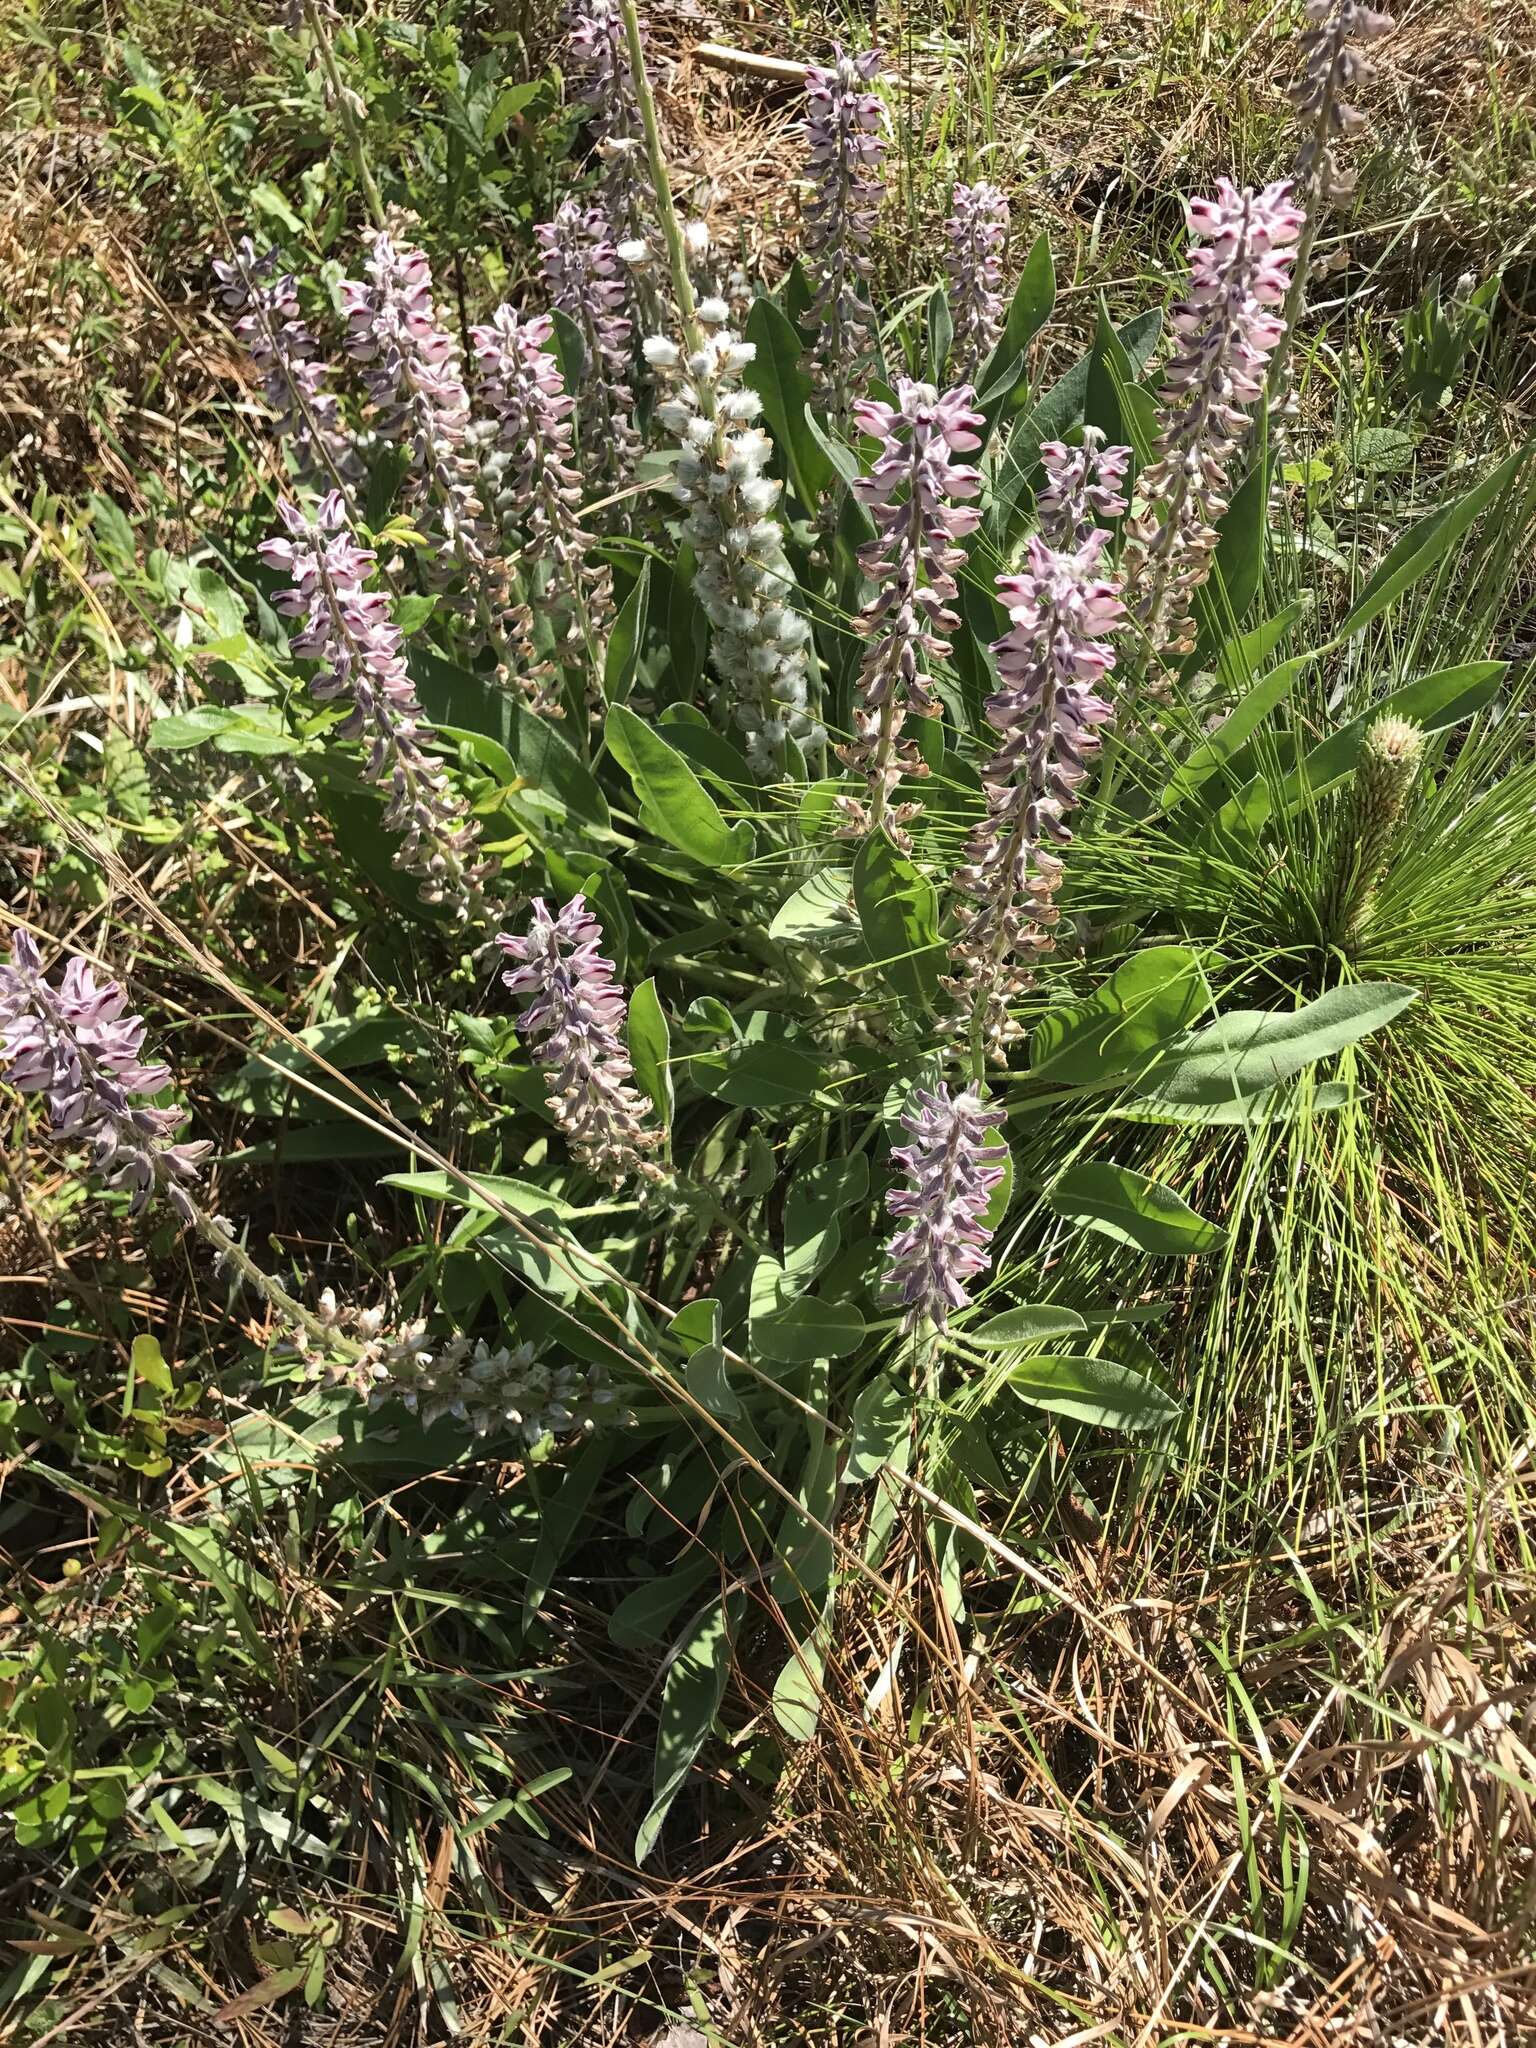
294, 381
348, 631
75, 1045
411, 368
978, 229
1333, 63
541, 492
910, 491
952, 1173
845, 144
581, 269
598, 55
1226, 330
1047, 716
576, 1008
742, 580
1082, 487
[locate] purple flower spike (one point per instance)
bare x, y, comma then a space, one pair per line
75, 1045
411, 367
294, 381
1083, 487
348, 631
582, 270
978, 229
1333, 64
597, 54
1047, 716
576, 1008
540, 490
845, 145
1244, 246
910, 492
951, 1172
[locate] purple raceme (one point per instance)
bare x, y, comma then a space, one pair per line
845, 145
742, 578
574, 1015
1048, 716
540, 494
75, 1045
294, 380
411, 368
348, 631
585, 280
951, 1173
978, 230
597, 52
1083, 487
911, 492
1333, 63
1225, 332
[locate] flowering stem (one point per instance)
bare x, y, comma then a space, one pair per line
671, 227
349, 125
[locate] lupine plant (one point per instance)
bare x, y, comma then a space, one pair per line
851, 791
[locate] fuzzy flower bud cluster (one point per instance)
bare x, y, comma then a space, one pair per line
574, 1017
977, 230
1048, 716
711, 276
911, 491
294, 380
585, 281
1083, 487
349, 633
1225, 331
845, 147
491, 1390
951, 1173
758, 642
1390, 756
540, 492
597, 56
1333, 64
77, 1046
411, 367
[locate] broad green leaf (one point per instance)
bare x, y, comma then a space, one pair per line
1131, 1209
882, 1420
819, 909
1110, 372
690, 1701
790, 1327
797, 1690
941, 333
1031, 1323
650, 1048
813, 1208
899, 911
1275, 1105
644, 1616
1224, 599
1248, 1052
762, 1074
1002, 1194
1241, 658
709, 1382
560, 1518
1033, 301
148, 1362
1215, 753
785, 390
625, 640
545, 758
673, 800
1093, 1390
698, 1322
1148, 1000
523, 1196
1427, 544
